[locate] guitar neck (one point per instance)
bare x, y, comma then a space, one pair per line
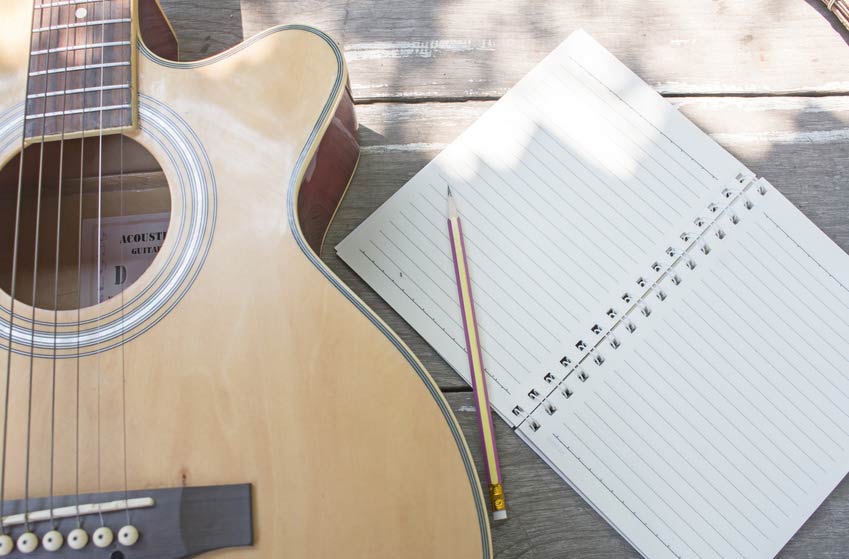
81, 69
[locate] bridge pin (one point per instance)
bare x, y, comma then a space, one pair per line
27, 542
52, 540
128, 535
6, 545
77, 539
103, 537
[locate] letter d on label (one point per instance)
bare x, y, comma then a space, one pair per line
120, 275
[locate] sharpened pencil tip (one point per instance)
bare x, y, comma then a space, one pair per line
452, 206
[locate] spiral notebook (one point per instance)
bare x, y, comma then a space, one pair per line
662, 327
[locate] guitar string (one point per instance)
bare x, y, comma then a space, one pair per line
36, 241
123, 286
12, 294
60, 193
79, 277
99, 269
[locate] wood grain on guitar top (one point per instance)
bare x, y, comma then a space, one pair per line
257, 367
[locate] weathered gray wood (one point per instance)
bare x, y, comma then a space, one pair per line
546, 518
800, 144
479, 48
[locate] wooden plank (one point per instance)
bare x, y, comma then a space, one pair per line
548, 519
410, 49
800, 144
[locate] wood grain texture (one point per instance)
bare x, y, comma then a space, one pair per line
410, 49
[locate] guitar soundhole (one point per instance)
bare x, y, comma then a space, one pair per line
128, 231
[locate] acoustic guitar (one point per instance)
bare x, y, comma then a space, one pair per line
180, 373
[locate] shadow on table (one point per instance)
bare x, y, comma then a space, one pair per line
832, 19
194, 22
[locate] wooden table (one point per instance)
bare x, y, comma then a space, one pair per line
768, 79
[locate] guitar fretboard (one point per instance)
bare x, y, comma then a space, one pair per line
81, 68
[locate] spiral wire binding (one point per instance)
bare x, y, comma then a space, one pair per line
699, 244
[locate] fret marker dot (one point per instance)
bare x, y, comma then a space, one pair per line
81, 13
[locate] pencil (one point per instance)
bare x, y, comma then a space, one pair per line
470, 327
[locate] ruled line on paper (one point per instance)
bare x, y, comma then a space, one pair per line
449, 296
767, 325
607, 117
751, 405
529, 236
695, 434
707, 500
650, 488
692, 467
601, 481
652, 124
507, 294
670, 192
806, 363
797, 316
767, 252
484, 293
581, 260
611, 220
733, 425
796, 243
567, 215
575, 156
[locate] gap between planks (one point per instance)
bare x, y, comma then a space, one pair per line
416, 99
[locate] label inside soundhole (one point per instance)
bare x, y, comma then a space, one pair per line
112, 210
128, 246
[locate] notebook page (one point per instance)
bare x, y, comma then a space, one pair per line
718, 426
571, 181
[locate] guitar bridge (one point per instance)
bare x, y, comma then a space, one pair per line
172, 523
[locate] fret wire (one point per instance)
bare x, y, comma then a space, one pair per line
81, 47
76, 68
82, 24
68, 3
78, 111
79, 90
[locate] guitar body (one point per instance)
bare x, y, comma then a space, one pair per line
239, 357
